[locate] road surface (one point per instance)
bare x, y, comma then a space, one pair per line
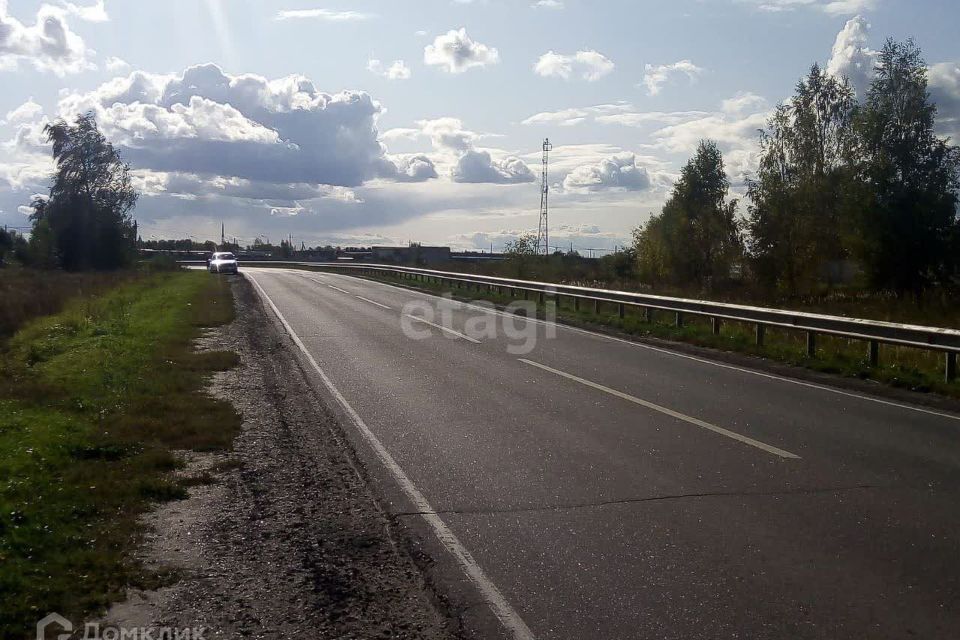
593, 488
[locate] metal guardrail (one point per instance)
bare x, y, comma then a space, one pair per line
873, 332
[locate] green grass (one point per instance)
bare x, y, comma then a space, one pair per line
30, 293
903, 367
92, 402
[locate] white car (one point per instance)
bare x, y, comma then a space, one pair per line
222, 262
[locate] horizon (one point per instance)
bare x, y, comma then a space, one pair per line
284, 118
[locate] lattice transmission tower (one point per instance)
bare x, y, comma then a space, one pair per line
543, 232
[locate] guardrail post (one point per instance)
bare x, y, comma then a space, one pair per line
873, 353
542, 298
648, 314
715, 325
761, 333
950, 369
811, 344
678, 319
622, 310
596, 307
576, 303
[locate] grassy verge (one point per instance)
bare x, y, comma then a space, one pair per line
903, 367
937, 307
30, 293
92, 402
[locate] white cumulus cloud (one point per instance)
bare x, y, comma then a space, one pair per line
447, 133
616, 172
851, 58
479, 166
26, 112
398, 69
48, 44
456, 52
587, 64
114, 64
744, 102
454, 149
413, 168
656, 76
96, 12
210, 123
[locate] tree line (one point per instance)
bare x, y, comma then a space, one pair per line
841, 184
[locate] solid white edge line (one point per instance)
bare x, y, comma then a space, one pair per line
722, 365
443, 328
506, 614
670, 412
372, 302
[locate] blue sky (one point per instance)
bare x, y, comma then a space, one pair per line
381, 122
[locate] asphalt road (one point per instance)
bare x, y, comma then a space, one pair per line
593, 488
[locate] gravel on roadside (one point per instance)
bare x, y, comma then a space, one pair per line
282, 537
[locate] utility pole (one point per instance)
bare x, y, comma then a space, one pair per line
543, 231
222, 235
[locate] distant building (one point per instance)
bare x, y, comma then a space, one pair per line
477, 256
412, 255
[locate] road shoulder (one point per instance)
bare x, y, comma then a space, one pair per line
284, 537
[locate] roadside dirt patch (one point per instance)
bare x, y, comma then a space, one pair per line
282, 537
